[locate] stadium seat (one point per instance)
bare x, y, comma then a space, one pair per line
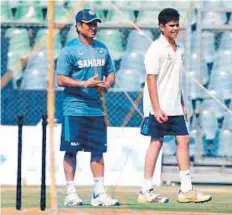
221, 77
227, 4
212, 4
225, 43
72, 33
14, 65
230, 21
13, 4
203, 77
225, 138
74, 6
144, 37
213, 106
185, 15
169, 145
129, 80
41, 42
227, 122
28, 11
133, 60
61, 14
6, 13
192, 144
126, 17
35, 74
208, 45
154, 4
43, 4
112, 39
148, 18
180, 4
121, 3
100, 14
209, 124
19, 42
212, 17
106, 5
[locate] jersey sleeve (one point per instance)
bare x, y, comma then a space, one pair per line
64, 63
152, 60
109, 65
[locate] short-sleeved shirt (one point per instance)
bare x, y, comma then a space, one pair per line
81, 62
167, 64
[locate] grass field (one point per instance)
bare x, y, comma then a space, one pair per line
221, 203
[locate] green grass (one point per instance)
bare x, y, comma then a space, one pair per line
221, 203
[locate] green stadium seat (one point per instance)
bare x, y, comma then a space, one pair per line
6, 13
100, 14
121, 3
225, 143
41, 42
61, 14
19, 41
227, 123
154, 4
72, 33
122, 17
15, 66
212, 17
35, 75
28, 11
209, 123
113, 41
148, 18
43, 4
144, 37
226, 41
129, 80
194, 91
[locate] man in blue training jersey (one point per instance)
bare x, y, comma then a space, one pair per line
85, 70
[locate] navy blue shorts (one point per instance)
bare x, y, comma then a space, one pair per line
83, 133
174, 126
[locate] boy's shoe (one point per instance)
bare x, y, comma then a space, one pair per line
193, 196
103, 199
72, 199
151, 197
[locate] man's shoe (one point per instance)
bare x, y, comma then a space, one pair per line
72, 199
151, 197
193, 196
103, 199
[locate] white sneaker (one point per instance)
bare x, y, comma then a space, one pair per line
151, 197
193, 196
103, 199
72, 199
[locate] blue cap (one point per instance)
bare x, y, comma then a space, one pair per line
87, 16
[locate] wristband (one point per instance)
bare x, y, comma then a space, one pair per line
83, 84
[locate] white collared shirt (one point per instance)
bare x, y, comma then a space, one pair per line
163, 61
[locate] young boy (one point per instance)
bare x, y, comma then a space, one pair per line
163, 62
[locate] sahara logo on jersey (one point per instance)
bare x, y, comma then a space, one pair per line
74, 144
91, 63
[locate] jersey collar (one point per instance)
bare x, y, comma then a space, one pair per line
165, 41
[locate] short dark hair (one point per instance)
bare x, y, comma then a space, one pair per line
167, 15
